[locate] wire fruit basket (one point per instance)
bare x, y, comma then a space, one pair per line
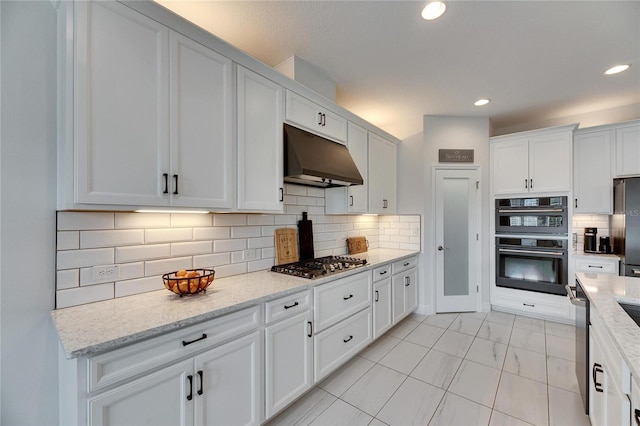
188, 281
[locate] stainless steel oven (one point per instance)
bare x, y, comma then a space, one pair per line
530, 263
534, 215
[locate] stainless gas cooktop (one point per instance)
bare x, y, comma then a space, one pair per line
319, 267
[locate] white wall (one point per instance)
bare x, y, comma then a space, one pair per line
28, 349
417, 155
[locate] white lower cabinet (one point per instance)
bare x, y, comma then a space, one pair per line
288, 351
609, 379
404, 288
597, 264
342, 322
382, 307
635, 402
206, 374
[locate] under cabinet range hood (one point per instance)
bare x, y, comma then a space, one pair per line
315, 161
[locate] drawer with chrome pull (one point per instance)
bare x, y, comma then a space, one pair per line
596, 265
287, 306
341, 298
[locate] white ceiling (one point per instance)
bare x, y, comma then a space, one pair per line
536, 60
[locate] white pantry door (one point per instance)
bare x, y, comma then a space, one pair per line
456, 225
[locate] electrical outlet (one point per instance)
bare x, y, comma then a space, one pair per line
249, 254
105, 272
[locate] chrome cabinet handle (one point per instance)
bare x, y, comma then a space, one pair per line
555, 253
440, 248
573, 299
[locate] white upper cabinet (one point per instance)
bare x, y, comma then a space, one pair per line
260, 143
201, 139
355, 198
628, 150
382, 175
535, 162
121, 106
592, 173
305, 113
153, 114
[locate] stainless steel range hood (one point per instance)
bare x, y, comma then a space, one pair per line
315, 161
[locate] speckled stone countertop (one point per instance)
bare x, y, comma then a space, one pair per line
603, 292
604, 255
102, 326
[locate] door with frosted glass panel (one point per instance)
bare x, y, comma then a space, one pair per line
456, 240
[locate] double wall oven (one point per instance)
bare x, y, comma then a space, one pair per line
532, 244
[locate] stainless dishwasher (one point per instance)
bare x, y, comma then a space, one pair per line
579, 300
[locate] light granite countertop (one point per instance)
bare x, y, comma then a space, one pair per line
603, 291
93, 328
603, 255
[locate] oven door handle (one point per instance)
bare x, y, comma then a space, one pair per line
530, 210
577, 301
554, 253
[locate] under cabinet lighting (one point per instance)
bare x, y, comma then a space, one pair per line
173, 211
617, 69
481, 102
433, 10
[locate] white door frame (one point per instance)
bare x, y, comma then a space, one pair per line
434, 169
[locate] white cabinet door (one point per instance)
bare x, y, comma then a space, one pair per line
227, 383
382, 175
397, 285
628, 151
260, 150
597, 402
352, 199
202, 173
305, 113
550, 163
121, 106
288, 361
410, 290
382, 313
161, 398
510, 166
592, 175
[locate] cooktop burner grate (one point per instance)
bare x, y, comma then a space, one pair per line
319, 267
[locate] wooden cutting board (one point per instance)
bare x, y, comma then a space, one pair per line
286, 246
357, 245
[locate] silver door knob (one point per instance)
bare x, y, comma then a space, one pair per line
440, 248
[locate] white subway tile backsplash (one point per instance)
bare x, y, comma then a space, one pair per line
191, 248
258, 265
80, 221
229, 245
146, 252
230, 270
142, 220
246, 231
261, 242
67, 278
174, 241
82, 295
165, 266
69, 259
111, 238
260, 219
229, 220
168, 235
142, 285
182, 220
214, 233
211, 260
68, 240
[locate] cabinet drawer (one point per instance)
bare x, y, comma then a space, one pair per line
124, 363
338, 344
287, 306
381, 272
404, 264
339, 299
597, 265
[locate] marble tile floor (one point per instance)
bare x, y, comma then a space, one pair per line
452, 369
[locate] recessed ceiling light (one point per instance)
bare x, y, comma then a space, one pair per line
481, 102
433, 10
617, 69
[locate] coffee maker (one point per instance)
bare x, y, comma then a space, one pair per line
605, 245
590, 240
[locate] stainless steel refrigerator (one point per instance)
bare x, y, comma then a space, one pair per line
625, 224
